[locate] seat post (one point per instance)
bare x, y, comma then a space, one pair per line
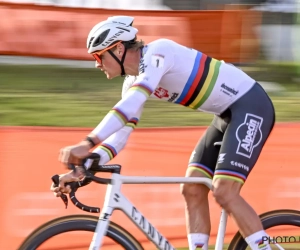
221, 230
219, 143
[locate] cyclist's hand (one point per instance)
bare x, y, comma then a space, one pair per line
64, 178
74, 154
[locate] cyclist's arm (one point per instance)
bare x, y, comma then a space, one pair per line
112, 146
156, 63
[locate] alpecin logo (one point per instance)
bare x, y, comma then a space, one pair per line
249, 135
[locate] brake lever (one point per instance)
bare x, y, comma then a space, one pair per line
64, 198
73, 185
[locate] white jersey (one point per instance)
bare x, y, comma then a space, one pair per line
173, 73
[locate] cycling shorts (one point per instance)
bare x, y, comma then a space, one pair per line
243, 129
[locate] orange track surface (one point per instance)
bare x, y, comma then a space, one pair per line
29, 159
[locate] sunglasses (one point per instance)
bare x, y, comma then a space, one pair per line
97, 54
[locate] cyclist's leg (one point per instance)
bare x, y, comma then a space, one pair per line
201, 164
252, 120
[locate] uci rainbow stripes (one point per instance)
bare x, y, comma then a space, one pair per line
201, 81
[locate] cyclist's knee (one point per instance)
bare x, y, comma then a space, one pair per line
194, 191
225, 191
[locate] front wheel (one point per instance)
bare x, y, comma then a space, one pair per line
269, 220
116, 234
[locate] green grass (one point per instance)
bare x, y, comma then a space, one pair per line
56, 96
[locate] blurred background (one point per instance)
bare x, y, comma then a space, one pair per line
51, 96
40, 38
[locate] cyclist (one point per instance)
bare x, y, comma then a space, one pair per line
163, 69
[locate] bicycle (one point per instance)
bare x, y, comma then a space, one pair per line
102, 226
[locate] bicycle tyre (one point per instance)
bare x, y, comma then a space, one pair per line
78, 223
269, 219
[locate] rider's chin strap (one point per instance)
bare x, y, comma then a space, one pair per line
120, 62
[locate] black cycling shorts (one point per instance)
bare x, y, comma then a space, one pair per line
243, 129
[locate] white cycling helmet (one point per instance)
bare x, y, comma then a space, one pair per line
110, 31
116, 28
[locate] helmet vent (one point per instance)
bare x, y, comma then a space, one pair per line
100, 39
121, 28
92, 38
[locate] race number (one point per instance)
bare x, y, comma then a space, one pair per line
157, 60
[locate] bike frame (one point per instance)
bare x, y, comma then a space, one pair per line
114, 199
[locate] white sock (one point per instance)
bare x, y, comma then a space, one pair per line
258, 241
198, 241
